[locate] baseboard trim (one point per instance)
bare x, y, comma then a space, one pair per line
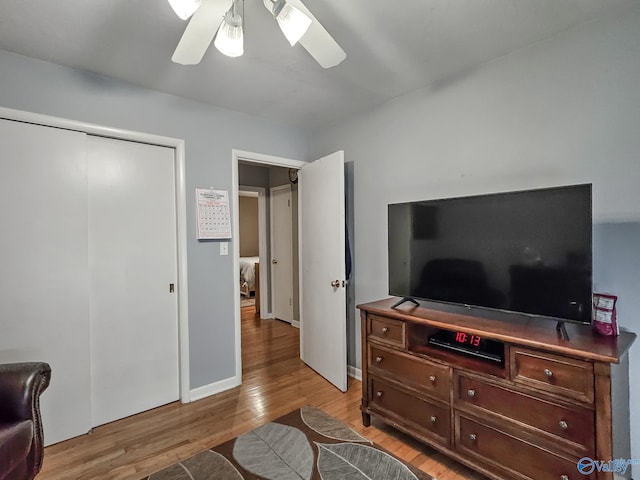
213, 388
354, 372
295, 323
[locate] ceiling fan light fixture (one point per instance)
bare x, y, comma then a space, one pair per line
185, 8
230, 36
293, 22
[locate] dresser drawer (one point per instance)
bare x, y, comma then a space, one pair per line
522, 460
561, 375
387, 330
573, 427
428, 417
423, 374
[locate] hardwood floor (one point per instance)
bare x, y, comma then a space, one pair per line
274, 382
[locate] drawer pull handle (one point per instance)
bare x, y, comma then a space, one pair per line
432, 378
385, 330
378, 359
473, 437
471, 392
379, 393
433, 419
564, 477
564, 425
548, 373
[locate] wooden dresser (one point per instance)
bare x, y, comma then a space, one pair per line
531, 412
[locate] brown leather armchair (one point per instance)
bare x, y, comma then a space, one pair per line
21, 442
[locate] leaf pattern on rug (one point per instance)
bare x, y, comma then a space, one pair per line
174, 472
326, 425
353, 461
275, 452
203, 466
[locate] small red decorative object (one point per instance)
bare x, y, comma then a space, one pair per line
604, 314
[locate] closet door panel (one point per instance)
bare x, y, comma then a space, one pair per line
44, 286
133, 261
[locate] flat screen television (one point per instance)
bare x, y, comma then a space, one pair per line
526, 252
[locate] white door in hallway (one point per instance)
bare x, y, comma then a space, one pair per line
132, 263
281, 253
323, 322
44, 287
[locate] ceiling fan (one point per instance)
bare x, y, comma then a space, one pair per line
221, 22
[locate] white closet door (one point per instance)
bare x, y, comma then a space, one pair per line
281, 253
44, 286
132, 258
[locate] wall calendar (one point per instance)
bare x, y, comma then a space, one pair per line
213, 212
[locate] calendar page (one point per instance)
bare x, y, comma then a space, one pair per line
214, 218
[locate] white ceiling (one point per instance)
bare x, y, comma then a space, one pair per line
392, 47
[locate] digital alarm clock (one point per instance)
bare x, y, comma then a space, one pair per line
467, 344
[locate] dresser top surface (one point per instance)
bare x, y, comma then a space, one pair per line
514, 329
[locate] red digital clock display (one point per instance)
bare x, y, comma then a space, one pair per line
468, 344
466, 339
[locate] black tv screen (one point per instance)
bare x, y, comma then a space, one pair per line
527, 252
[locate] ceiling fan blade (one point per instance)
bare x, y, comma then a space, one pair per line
200, 32
318, 42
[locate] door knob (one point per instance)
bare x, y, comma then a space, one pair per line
335, 283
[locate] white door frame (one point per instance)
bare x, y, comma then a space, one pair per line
260, 159
287, 188
262, 237
181, 212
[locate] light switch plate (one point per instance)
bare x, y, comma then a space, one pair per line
224, 248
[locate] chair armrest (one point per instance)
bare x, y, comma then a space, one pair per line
20, 387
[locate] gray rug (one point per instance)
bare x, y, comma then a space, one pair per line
247, 301
305, 444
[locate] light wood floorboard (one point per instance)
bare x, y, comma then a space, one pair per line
275, 381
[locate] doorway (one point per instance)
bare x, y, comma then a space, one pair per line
239, 159
252, 239
322, 256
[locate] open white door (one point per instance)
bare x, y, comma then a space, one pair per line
323, 303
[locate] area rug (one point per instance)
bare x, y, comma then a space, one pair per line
304, 444
247, 302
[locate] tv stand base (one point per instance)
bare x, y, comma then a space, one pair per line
403, 300
562, 330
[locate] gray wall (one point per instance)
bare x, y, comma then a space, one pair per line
562, 111
210, 134
253, 176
